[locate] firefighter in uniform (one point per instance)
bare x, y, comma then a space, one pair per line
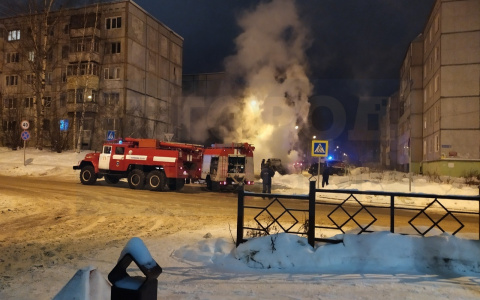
266, 174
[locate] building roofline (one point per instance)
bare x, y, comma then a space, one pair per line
149, 14
104, 4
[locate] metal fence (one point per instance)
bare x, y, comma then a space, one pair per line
335, 212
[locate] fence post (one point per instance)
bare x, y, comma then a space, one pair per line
240, 216
392, 213
311, 213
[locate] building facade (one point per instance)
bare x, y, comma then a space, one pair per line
388, 136
111, 70
439, 103
410, 109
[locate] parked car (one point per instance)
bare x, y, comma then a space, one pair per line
336, 167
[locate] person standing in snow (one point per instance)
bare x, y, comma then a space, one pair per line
266, 174
325, 175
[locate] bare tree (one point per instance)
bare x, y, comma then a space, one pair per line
36, 43
88, 73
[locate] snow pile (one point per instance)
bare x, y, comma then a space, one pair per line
379, 252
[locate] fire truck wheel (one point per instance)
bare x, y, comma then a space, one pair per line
87, 175
111, 179
136, 179
209, 183
156, 180
176, 184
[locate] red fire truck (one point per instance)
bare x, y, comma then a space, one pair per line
143, 162
228, 165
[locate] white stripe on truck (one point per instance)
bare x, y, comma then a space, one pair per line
164, 159
136, 157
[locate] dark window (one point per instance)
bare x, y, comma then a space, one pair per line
115, 22
46, 124
63, 100
65, 51
12, 57
81, 21
119, 150
111, 98
10, 103
113, 48
29, 102
47, 102
373, 122
9, 125
11, 80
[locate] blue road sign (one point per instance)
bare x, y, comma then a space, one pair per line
110, 135
25, 135
319, 148
64, 125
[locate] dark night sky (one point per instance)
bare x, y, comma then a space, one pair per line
351, 39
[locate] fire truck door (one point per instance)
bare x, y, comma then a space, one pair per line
105, 158
118, 158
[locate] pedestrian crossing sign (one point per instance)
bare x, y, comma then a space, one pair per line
319, 148
110, 135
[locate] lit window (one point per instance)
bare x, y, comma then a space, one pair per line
13, 35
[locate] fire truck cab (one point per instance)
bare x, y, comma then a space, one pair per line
228, 165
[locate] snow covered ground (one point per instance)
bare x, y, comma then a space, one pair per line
206, 265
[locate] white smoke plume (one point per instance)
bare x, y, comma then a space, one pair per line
266, 92
271, 64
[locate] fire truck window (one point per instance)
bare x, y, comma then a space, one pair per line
119, 150
107, 149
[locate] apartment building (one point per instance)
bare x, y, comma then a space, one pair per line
410, 109
439, 102
451, 88
111, 70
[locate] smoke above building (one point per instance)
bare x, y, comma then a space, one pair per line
264, 99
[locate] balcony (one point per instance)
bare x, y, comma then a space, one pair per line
78, 107
83, 56
83, 81
84, 32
